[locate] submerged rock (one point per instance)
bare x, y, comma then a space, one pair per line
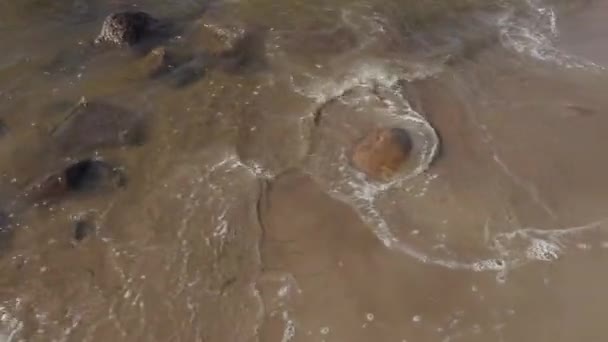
91, 125
189, 72
5, 222
90, 174
3, 129
218, 37
157, 62
381, 153
231, 45
6, 232
126, 28
246, 54
84, 176
82, 229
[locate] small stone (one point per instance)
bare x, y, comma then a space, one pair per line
125, 28
382, 152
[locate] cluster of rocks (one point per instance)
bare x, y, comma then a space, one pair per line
76, 168
226, 46
89, 126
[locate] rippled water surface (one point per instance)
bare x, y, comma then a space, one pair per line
217, 202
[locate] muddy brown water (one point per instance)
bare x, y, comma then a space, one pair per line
237, 215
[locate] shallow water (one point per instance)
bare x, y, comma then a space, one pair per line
237, 215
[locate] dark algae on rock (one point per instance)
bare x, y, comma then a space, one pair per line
126, 28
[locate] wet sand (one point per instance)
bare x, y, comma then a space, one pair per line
240, 216
582, 33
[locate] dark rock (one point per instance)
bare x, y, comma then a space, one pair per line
82, 229
91, 174
382, 152
89, 126
126, 28
84, 176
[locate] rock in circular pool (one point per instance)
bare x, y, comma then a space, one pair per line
381, 153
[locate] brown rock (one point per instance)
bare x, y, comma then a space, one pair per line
381, 153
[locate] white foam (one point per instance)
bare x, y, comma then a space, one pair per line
221, 228
290, 328
279, 303
534, 36
368, 73
489, 265
543, 250
10, 326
